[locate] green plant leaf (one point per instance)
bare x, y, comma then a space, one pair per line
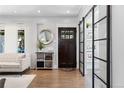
40, 45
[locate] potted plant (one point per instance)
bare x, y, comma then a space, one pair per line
88, 25
40, 45
1, 33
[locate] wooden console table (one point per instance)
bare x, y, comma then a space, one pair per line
44, 60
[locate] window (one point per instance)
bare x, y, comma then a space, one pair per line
21, 41
2, 34
67, 34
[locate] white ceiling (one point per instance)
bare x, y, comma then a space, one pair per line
45, 10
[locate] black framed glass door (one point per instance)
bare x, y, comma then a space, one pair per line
101, 47
88, 46
81, 47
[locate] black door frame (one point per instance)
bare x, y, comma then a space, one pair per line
75, 44
82, 42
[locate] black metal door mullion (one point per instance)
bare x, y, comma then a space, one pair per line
108, 46
83, 47
100, 79
81, 42
100, 20
100, 59
80, 52
93, 81
100, 39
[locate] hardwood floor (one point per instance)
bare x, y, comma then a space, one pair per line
56, 79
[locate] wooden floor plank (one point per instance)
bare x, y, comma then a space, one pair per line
56, 79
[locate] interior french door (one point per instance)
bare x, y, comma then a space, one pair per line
101, 46
81, 47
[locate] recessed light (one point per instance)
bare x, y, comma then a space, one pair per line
67, 11
14, 11
38, 11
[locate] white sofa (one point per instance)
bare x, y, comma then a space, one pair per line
12, 62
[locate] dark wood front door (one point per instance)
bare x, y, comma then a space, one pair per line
67, 47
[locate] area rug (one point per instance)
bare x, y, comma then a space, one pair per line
18, 81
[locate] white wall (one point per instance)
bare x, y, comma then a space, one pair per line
30, 26
10, 38
83, 11
117, 46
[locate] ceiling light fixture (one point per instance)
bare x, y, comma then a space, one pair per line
38, 11
14, 11
67, 11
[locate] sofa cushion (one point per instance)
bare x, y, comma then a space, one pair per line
9, 64
2, 82
11, 57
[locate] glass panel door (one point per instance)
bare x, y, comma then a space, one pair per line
88, 48
101, 46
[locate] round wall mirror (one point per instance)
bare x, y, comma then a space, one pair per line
46, 36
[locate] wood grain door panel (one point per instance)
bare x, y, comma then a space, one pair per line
67, 47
